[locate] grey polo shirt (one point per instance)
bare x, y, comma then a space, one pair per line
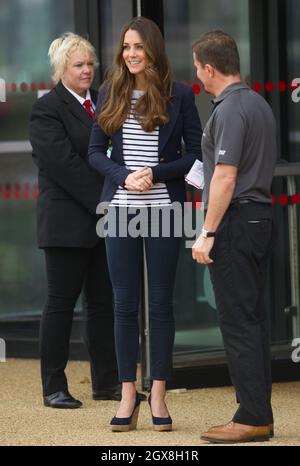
241, 131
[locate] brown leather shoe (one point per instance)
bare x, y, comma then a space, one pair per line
234, 432
271, 428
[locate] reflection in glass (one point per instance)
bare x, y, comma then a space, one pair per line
185, 21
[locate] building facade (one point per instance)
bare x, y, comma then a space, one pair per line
268, 37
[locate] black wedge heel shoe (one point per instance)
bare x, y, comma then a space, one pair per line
161, 424
125, 424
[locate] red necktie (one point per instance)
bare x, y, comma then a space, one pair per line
87, 105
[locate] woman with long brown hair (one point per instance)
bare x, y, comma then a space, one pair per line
144, 115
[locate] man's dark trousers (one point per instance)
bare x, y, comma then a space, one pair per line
240, 253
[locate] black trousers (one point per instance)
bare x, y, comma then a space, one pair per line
240, 253
70, 271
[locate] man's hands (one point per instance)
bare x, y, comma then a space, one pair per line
140, 180
201, 250
221, 191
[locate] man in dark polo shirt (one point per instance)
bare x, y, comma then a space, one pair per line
239, 156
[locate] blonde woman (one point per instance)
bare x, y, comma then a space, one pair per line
69, 191
146, 115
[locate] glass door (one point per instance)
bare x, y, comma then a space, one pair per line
27, 28
198, 333
198, 339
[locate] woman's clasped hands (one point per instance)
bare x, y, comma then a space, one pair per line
140, 180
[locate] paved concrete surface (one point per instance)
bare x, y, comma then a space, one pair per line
25, 421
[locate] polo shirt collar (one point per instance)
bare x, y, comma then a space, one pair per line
228, 90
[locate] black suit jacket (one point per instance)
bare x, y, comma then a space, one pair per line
69, 189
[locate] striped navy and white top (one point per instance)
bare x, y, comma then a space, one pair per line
140, 149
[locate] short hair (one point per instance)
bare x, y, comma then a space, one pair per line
219, 50
61, 49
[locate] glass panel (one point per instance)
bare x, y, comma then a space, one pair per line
27, 27
293, 53
195, 309
114, 14
197, 328
22, 284
293, 104
278, 293
185, 21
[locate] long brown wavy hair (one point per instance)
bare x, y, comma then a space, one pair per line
151, 107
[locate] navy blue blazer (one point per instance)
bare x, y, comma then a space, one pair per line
184, 123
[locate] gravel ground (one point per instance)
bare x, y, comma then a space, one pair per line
25, 421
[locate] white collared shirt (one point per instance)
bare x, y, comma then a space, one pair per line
81, 99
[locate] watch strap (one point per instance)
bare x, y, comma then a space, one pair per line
207, 234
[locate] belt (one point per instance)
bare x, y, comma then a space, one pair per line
241, 201
247, 201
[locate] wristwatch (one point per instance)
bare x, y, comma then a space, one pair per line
207, 234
